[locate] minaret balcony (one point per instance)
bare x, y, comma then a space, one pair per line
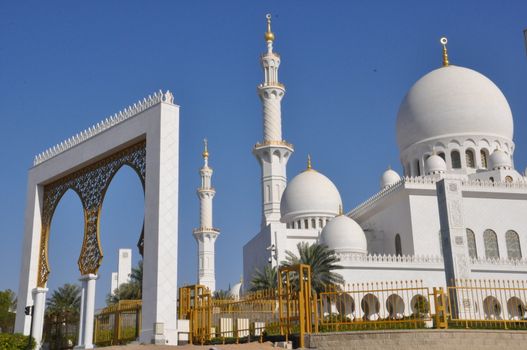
207, 189
206, 230
273, 143
272, 85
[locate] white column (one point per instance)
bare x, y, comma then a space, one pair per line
30, 253
39, 306
161, 229
80, 336
87, 312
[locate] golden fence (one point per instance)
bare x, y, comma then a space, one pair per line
377, 305
486, 304
282, 311
118, 324
294, 309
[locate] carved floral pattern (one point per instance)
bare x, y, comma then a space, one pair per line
90, 183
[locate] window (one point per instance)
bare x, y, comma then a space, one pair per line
483, 155
442, 155
320, 223
456, 160
469, 158
491, 244
417, 168
471, 242
313, 223
299, 224
513, 245
398, 248
293, 224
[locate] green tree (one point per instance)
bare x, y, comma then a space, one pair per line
266, 279
131, 290
65, 302
322, 261
7, 310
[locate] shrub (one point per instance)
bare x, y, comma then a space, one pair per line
15, 342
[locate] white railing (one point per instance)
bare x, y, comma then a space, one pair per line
109, 122
388, 258
499, 262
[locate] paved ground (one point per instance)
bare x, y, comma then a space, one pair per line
250, 346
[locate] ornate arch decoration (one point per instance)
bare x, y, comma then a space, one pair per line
90, 183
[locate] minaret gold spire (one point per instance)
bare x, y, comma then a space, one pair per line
205, 153
444, 41
269, 36
309, 167
341, 212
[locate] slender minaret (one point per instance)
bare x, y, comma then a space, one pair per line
273, 153
206, 234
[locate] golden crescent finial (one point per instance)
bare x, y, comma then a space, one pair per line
309, 167
443, 42
269, 36
205, 153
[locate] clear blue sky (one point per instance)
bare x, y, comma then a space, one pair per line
346, 65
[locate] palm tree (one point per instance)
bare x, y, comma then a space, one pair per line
131, 290
266, 279
221, 294
322, 261
65, 301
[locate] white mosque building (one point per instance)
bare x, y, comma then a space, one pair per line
458, 211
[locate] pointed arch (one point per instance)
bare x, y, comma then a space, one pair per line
513, 245
491, 244
471, 243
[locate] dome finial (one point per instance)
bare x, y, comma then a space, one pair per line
269, 36
444, 41
309, 167
205, 153
341, 212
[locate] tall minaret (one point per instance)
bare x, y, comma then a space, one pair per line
273, 152
206, 234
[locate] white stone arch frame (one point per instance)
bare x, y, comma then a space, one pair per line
154, 121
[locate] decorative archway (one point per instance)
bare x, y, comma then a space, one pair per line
90, 184
144, 136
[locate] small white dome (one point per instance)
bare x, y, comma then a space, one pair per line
500, 160
388, 178
344, 235
309, 194
435, 164
236, 291
451, 102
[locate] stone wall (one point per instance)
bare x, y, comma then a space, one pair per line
434, 339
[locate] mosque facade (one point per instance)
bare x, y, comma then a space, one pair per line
457, 211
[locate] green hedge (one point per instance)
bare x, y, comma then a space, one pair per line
15, 342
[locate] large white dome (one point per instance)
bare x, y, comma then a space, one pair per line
344, 235
453, 101
309, 194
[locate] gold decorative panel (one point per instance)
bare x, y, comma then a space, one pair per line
90, 183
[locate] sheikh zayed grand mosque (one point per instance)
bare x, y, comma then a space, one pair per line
457, 212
